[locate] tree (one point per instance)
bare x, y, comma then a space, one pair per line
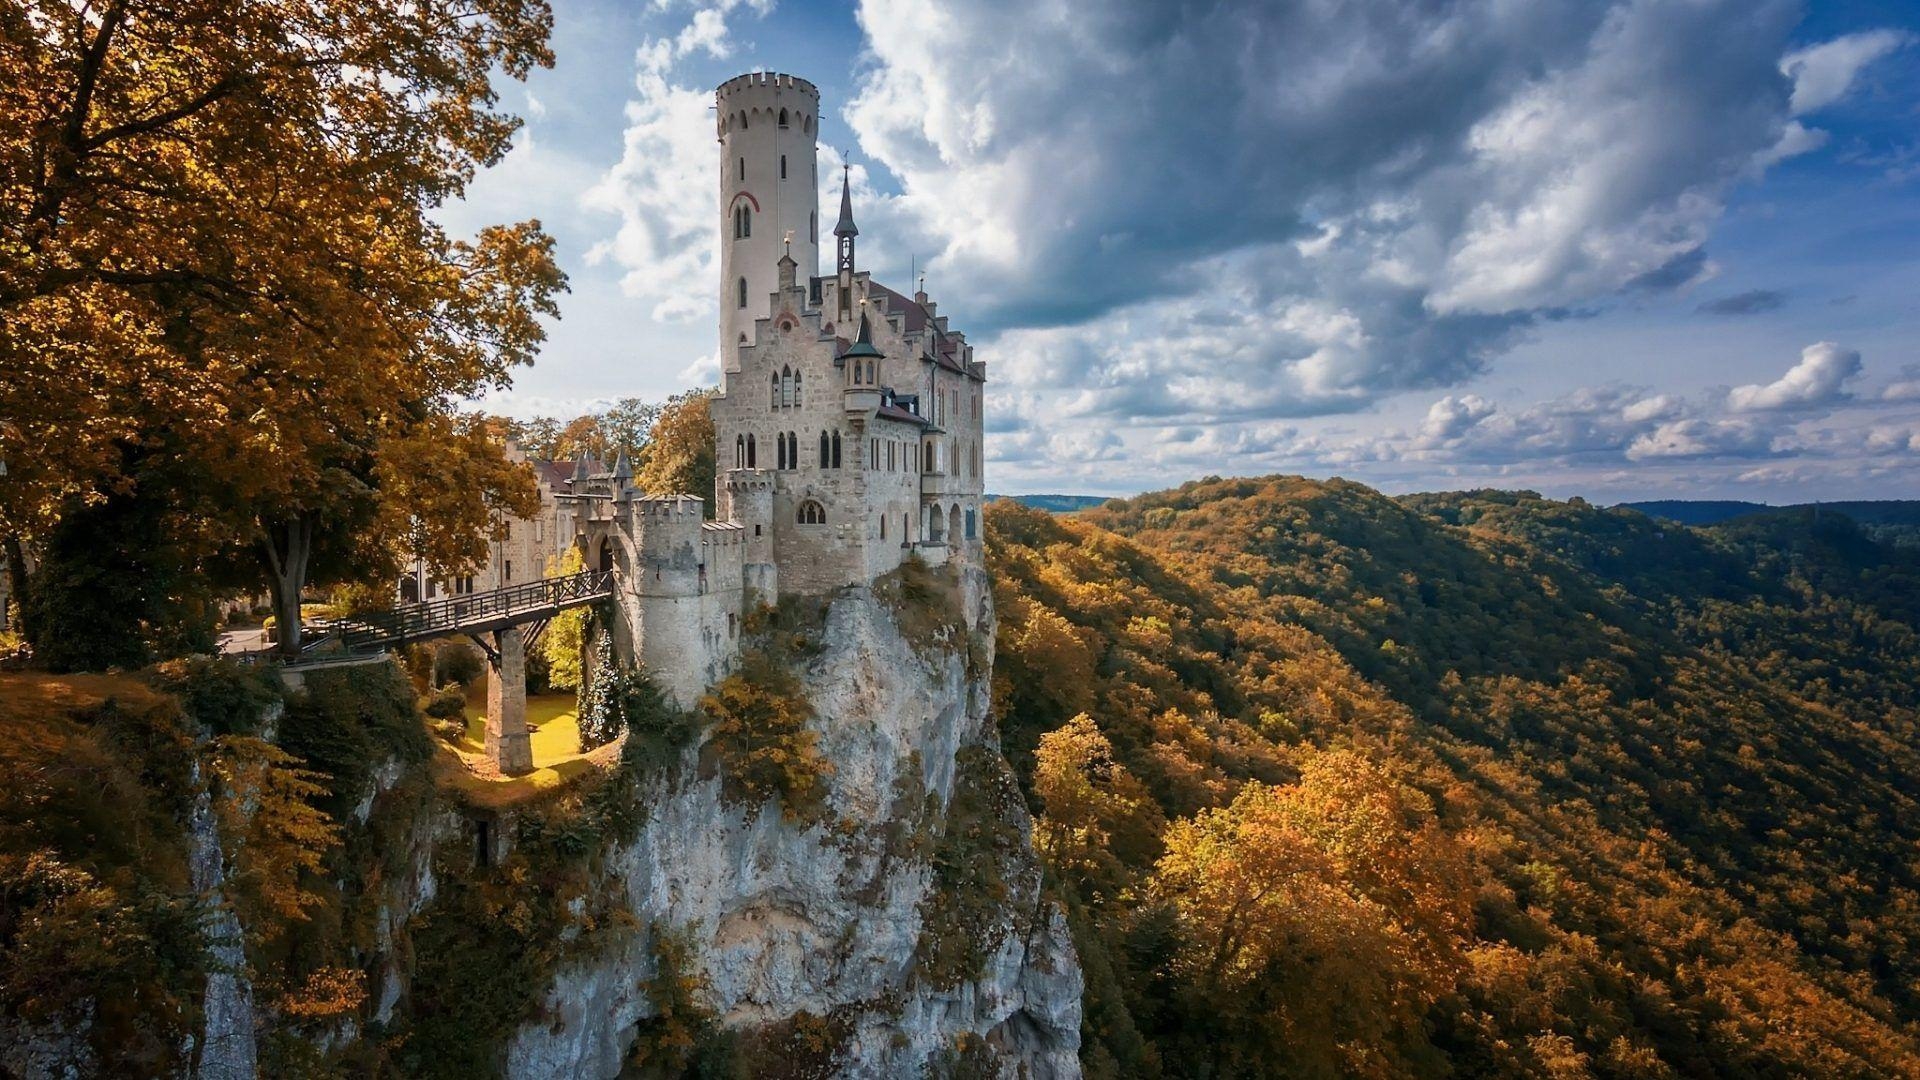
627, 426
1089, 802
679, 456
1322, 919
601, 716
566, 634
218, 247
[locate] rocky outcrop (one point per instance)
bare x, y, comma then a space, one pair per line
836, 917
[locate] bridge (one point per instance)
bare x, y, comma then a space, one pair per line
504, 622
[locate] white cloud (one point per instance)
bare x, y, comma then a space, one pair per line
1822, 74
662, 187
1700, 438
1905, 388
1817, 380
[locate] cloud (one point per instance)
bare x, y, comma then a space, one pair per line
1751, 302
1696, 438
1815, 381
1167, 213
1905, 388
662, 188
1822, 74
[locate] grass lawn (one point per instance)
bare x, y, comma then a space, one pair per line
557, 759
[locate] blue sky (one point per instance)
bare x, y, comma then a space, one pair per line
1648, 248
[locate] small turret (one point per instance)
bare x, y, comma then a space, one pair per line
862, 364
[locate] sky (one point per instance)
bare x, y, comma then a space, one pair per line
1638, 249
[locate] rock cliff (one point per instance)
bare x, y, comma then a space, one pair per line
843, 919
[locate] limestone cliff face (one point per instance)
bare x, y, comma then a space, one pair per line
846, 917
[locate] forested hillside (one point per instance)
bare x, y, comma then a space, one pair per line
1336, 783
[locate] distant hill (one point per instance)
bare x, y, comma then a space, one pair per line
1471, 784
1715, 511
1055, 504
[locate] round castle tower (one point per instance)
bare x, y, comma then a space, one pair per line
768, 125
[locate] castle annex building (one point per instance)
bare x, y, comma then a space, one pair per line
847, 427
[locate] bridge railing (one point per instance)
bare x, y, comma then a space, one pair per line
451, 613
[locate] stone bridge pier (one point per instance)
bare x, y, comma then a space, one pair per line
509, 743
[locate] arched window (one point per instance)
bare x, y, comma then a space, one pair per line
743, 121
824, 454
812, 513
783, 166
953, 523
836, 449
783, 118
793, 450
739, 451
806, 123
742, 289
797, 399
971, 525
751, 463
773, 396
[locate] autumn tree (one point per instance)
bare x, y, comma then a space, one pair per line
1096, 817
1321, 919
220, 262
678, 458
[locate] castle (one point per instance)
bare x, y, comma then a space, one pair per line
847, 426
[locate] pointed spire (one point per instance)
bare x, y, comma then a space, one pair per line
580, 472
622, 469
863, 345
846, 226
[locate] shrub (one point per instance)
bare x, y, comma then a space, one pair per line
761, 742
446, 703
225, 697
346, 721
926, 604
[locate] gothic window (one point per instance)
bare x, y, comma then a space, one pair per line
739, 451
793, 450
773, 397
824, 455
742, 290
970, 525
796, 388
780, 452
836, 449
783, 118
751, 464
743, 121
953, 522
783, 166
812, 513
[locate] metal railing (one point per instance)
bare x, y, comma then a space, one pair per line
455, 614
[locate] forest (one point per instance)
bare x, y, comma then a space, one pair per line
1476, 784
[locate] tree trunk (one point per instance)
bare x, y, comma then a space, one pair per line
17, 574
285, 548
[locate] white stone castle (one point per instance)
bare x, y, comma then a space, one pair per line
848, 423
